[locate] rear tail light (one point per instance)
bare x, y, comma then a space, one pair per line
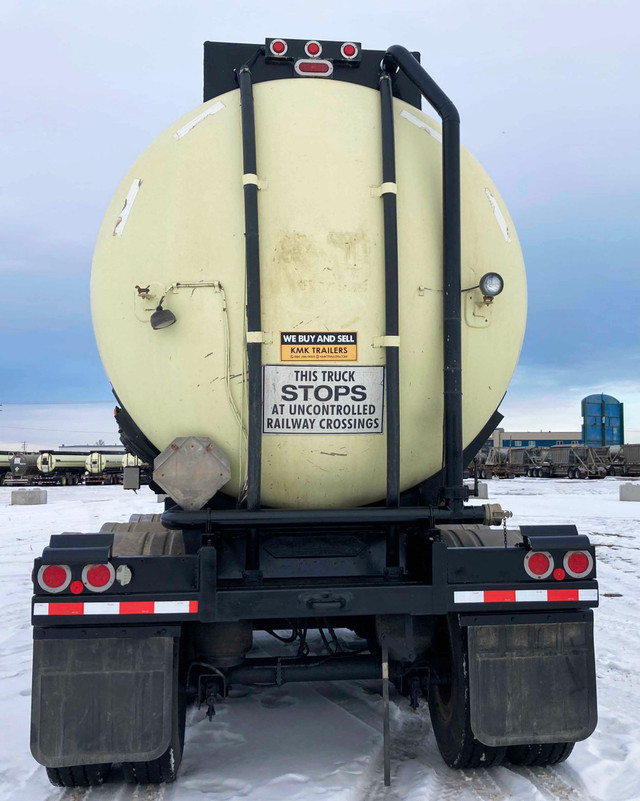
98, 578
278, 47
538, 564
54, 578
314, 67
578, 564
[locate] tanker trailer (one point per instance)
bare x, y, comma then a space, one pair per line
326, 296
61, 468
103, 468
23, 469
5, 466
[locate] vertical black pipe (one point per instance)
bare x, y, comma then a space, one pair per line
254, 322
453, 490
390, 218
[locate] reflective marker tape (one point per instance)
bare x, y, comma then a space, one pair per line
522, 596
116, 608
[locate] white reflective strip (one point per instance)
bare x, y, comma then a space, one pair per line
171, 607
420, 124
41, 609
588, 595
192, 123
126, 209
102, 608
531, 595
468, 597
499, 216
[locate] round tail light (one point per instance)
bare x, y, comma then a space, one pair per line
98, 578
538, 564
54, 578
578, 564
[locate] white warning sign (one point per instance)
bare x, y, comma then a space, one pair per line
322, 400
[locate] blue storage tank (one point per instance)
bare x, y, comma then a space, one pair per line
602, 420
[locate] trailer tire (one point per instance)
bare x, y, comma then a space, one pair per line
449, 705
164, 769
539, 755
79, 775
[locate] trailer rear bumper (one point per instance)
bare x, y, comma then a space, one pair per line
101, 699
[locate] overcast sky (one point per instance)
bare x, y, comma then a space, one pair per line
549, 100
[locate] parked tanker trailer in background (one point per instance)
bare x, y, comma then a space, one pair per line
310, 269
61, 468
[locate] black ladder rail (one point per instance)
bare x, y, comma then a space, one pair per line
254, 321
398, 57
390, 217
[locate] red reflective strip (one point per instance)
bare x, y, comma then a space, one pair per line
66, 609
136, 607
499, 596
193, 607
563, 595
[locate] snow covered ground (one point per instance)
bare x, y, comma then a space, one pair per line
324, 740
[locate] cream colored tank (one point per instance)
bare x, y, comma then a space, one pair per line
175, 230
98, 462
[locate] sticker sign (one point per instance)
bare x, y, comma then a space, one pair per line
322, 400
318, 346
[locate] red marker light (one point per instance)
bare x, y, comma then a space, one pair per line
54, 578
349, 50
76, 587
278, 47
313, 48
98, 578
559, 574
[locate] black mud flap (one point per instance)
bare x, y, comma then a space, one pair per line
532, 683
101, 700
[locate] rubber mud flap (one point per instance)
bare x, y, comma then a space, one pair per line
101, 700
532, 683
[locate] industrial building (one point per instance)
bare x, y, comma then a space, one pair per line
516, 439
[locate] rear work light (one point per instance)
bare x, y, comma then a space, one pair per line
98, 578
54, 578
278, 47
320, 68
578, 564
538, 564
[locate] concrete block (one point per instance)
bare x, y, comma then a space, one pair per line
28, 497
483, 490
630, 492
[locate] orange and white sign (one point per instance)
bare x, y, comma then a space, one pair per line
318, 346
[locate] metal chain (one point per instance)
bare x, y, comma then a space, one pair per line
504, 529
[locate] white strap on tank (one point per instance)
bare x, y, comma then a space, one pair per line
262, 337
386, 342
387, 188
251, 179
